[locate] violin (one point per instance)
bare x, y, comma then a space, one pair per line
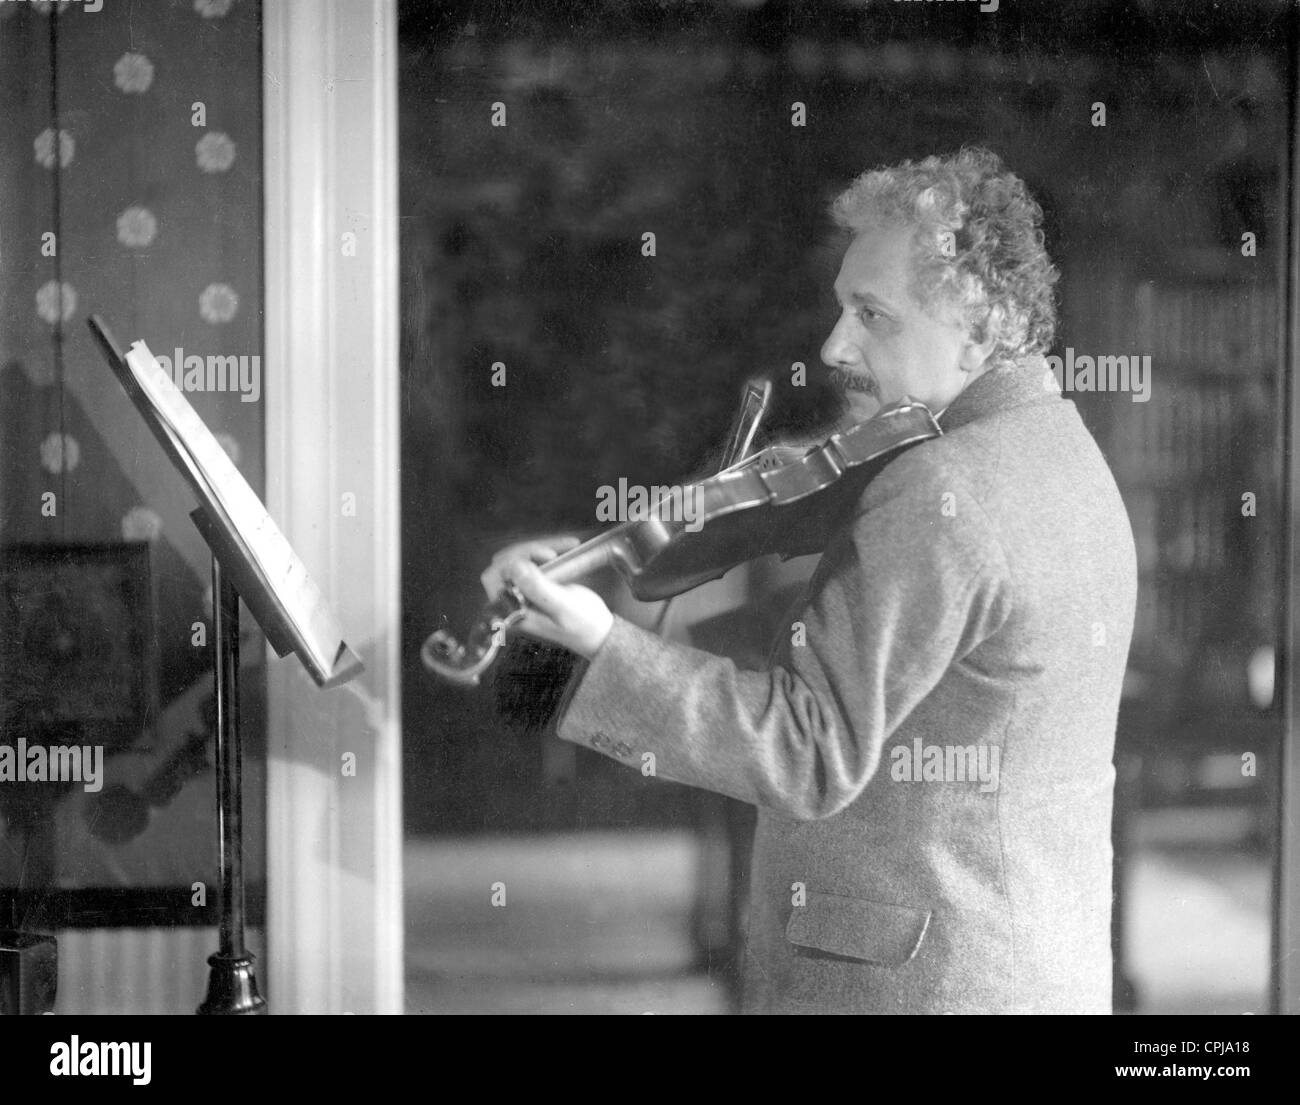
783, 499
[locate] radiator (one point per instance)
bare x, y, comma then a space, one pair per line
116, 971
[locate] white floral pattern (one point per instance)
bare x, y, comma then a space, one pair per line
47, 7
215, 152
136, 227
56, 302
133, 73
213, 9
141, 524
45, 148
60, 452
116, 66
218, 303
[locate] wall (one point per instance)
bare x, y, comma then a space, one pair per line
152, 192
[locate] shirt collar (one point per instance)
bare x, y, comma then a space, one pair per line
1029, 381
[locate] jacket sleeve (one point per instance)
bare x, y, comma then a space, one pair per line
528, 683
916, 582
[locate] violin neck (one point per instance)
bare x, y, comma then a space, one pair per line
586, 559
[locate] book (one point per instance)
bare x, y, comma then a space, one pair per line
270, 578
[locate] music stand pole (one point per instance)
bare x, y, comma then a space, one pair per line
232, 985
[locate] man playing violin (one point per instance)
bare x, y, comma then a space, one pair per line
931, 755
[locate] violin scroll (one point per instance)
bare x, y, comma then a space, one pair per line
465, 664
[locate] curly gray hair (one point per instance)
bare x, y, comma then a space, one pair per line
978, 245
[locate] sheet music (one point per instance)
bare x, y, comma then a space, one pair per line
268, 547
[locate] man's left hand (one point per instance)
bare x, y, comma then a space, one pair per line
565, 614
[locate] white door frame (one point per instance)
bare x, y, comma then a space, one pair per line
334, 838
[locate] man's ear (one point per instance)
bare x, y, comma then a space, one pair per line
979, 345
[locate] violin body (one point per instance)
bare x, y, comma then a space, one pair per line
780, 500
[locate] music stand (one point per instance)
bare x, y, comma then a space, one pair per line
292, 621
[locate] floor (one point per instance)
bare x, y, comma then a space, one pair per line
587, 923
1199, 926
599, 923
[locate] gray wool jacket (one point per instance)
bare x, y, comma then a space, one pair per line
930, 747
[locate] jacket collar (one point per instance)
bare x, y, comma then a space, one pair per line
1029, 381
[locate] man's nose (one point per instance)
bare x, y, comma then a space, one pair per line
837, 351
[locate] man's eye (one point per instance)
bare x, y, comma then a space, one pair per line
868, 315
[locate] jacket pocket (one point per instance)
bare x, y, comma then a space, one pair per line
857, 928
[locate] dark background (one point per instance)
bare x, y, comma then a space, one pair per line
521, 244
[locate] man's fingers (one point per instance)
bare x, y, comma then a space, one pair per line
539, 552
544, 594
565, 614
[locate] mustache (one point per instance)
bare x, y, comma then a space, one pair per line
845, 381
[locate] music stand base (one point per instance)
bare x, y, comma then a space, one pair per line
232, 988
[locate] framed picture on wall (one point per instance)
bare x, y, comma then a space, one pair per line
107, 803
